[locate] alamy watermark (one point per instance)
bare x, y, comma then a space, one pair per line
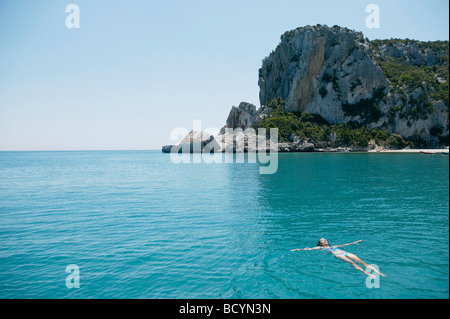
73, 19
73, 279
373, 280
373, 19
246, 146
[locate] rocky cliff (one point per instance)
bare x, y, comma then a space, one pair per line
333, 89
399, 86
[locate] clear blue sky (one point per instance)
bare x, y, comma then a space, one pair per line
135, 70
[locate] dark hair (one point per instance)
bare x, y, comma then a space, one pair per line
321, 242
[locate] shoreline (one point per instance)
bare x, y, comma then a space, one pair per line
444, 151
428, 151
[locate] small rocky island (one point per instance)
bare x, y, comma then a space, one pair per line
331, 89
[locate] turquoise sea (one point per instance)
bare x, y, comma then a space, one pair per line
139, 226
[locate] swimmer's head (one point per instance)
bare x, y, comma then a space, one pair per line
322, 242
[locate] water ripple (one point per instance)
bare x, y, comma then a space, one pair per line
139, 226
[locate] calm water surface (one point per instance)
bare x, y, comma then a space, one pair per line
139, 226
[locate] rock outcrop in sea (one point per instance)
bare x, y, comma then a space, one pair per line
194, 142
243, 116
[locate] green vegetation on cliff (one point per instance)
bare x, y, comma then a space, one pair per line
426, 70
313, 128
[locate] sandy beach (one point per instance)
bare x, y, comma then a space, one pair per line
432, 151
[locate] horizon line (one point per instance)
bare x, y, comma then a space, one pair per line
82, 150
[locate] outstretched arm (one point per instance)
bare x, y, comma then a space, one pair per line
306, 249
348, 244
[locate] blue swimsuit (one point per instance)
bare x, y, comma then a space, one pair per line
338, 251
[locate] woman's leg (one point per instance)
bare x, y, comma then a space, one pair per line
351, 262
358, 260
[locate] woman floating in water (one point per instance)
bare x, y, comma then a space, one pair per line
343, 255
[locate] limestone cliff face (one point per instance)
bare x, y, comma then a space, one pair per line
319, 69
336, 73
